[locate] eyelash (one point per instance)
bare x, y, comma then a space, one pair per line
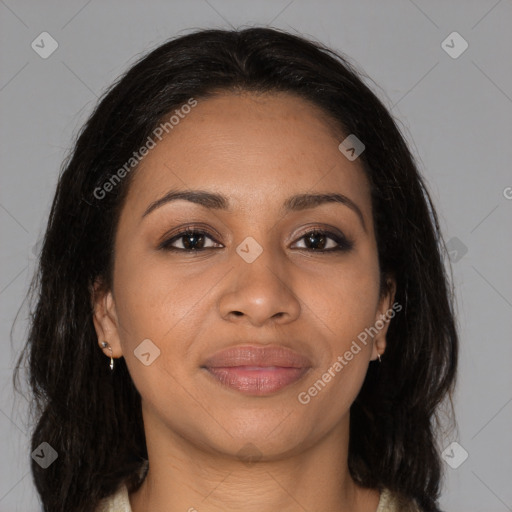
344, 244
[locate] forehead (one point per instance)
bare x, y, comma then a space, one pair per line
255, 148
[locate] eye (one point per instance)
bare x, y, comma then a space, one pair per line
194, 240
191, 240
318, 240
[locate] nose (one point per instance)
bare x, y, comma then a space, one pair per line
260, 292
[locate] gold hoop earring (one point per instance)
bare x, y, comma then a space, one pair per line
104, 344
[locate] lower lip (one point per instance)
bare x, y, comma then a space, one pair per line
257, 381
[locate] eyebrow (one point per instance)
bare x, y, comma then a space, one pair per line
217, 201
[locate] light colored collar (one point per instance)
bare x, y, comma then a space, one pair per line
118, 502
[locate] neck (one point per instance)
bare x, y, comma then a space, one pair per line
185, 477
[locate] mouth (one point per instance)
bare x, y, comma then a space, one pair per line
257, 371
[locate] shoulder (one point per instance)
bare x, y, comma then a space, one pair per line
395, 502
118, 502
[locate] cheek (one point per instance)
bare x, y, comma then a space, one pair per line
329, 394
153, 296
157, 301
346, 297
167, 303
343, 307
346, 309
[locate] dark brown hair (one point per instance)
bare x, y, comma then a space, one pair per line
91, 417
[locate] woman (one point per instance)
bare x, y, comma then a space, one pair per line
241, 299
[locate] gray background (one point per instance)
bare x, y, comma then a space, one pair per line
455, 113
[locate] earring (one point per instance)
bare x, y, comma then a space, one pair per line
378, 355
104, 344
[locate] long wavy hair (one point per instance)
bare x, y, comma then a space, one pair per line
92, 416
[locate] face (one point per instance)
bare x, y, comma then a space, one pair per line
260, 271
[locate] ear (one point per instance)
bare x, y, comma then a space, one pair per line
385, 312
105, 319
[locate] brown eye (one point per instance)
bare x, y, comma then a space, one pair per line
190, 241
325, 241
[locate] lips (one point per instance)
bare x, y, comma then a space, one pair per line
257, 370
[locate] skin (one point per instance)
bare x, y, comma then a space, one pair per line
257, 150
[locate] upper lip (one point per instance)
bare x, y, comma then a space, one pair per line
250, 355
